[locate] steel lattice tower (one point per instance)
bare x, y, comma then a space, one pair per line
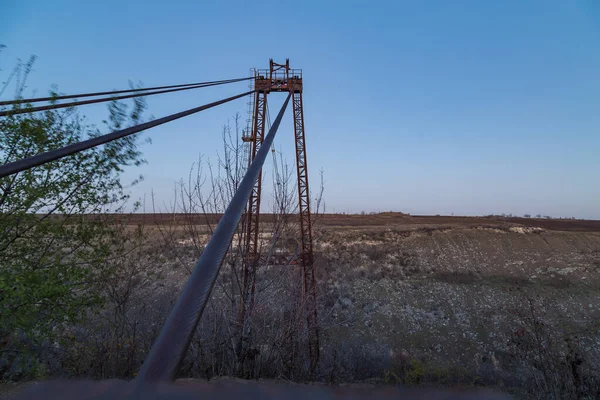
280, 78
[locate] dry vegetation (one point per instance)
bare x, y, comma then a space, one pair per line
507, 303
503, 304
419, 301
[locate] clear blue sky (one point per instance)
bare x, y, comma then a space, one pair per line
427, 107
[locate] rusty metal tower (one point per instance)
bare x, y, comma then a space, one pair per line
280, 78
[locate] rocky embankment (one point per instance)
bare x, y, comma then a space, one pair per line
487, 299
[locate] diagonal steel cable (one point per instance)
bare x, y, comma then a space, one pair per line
21, 165
100, 100
162, 363
112, 92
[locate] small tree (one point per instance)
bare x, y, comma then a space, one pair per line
54, 239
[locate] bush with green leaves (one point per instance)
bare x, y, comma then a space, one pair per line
55, 240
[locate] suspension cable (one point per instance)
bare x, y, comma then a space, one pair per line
27, 163
113, 92
103, 99
164, 359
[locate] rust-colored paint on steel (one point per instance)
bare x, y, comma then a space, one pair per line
306, 256
251, 252
281, 78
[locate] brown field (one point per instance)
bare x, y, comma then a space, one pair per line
507, 303
388, 219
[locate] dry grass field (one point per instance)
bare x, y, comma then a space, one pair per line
387, 219
507, 303
494, 301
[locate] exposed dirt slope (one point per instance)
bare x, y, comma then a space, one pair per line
461, 295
